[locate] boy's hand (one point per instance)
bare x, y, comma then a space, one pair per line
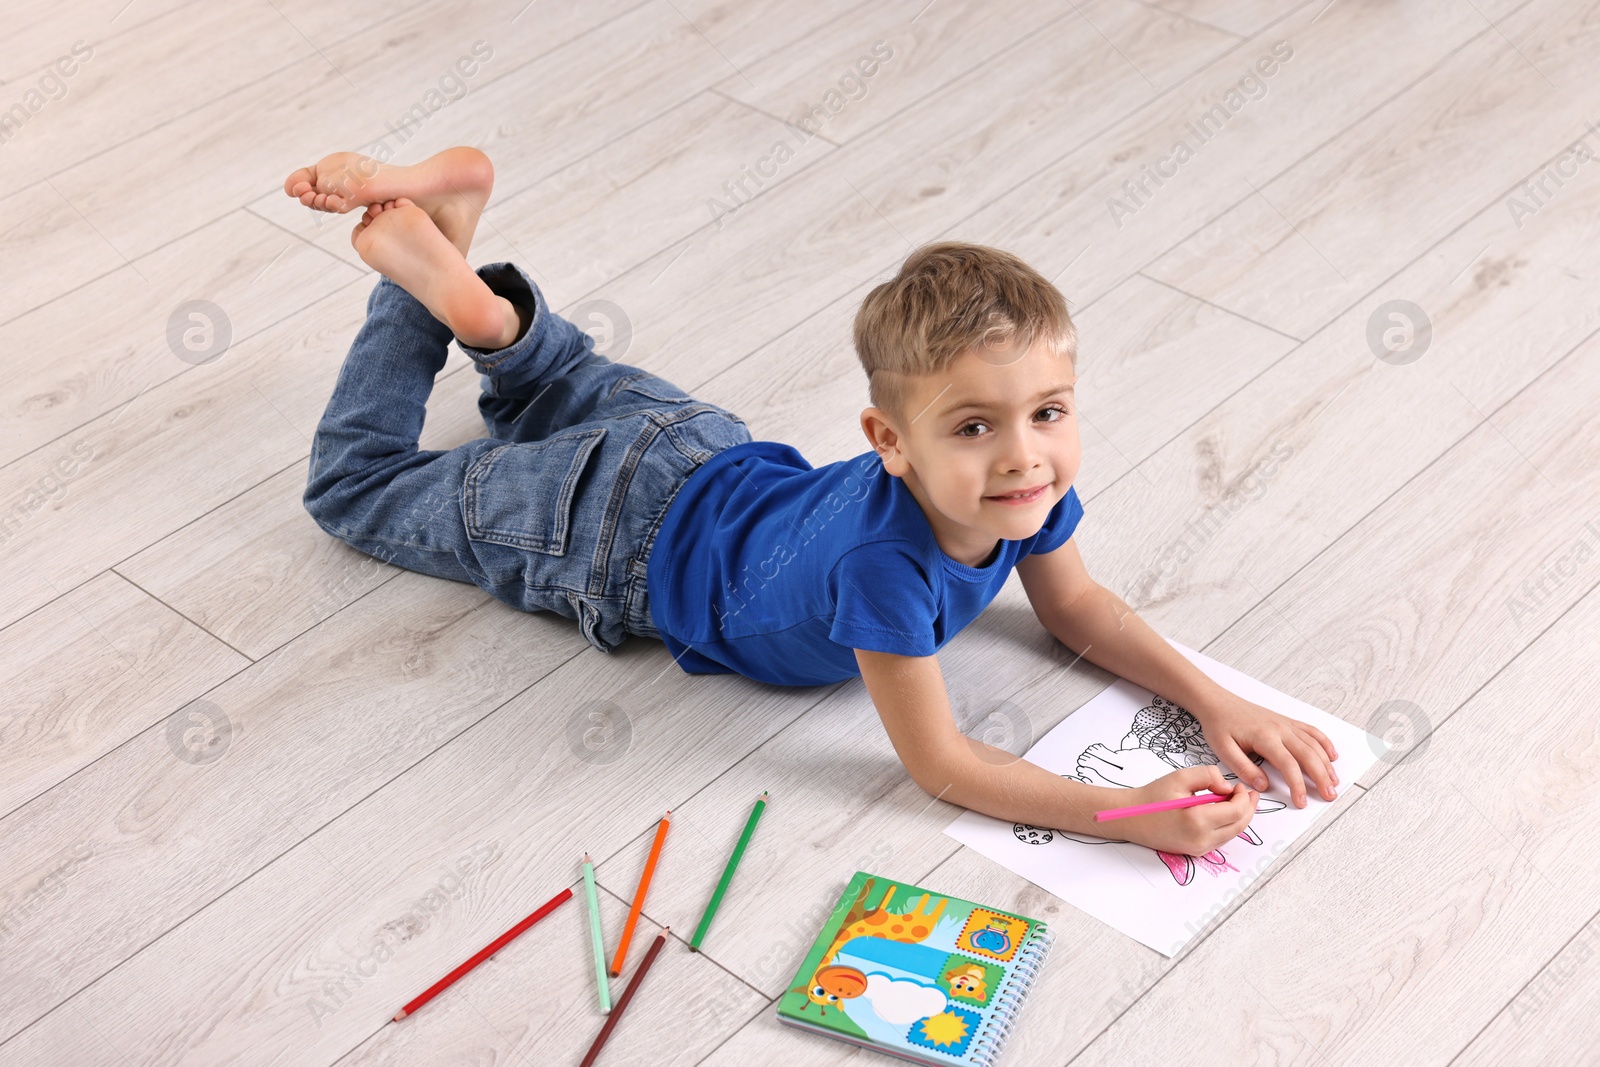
1234, 726
1187, 831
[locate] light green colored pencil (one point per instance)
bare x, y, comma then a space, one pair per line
594, 934
727, 872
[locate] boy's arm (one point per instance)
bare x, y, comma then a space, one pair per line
910, 697
1093, 621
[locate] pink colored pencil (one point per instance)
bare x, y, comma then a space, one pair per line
1161, 805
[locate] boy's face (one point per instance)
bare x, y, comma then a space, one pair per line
972, 437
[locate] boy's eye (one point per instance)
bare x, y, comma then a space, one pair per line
971, 429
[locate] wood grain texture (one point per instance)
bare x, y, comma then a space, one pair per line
1294, 257
90, 670
109, 338
1062, 218
407, 766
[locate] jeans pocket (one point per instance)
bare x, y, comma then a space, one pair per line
521, 494
647, 384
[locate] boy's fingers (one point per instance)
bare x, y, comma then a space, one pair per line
1189, 780
1235, 813
1315, 762
1241, 764
1322, 739
1287, 766
1324, 751
1227, 811
1247, 808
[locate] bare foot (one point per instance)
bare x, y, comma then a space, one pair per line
451, 186
400, 241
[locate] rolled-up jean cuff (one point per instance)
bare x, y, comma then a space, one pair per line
512, 282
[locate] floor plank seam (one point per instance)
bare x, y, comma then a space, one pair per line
764, 113
214, 636
1198, 22
302, 238
1298, 341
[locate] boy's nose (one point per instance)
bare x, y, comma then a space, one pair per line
1022, 454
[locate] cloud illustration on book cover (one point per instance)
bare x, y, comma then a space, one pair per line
925, 973
1164, 737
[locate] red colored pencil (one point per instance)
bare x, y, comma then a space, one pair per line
494, 946
638, 894
627, 994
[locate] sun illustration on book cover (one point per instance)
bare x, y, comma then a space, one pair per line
903, 969
1163, 737
946, 1028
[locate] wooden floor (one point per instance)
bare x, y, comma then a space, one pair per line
258, 790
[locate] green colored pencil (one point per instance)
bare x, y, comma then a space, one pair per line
594, 934
727, 872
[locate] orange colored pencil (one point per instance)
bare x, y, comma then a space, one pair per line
638, 895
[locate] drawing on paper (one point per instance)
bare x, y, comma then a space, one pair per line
1162, 738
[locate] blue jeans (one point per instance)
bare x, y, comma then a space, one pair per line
558, 508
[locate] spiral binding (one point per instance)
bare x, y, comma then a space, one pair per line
991, 1040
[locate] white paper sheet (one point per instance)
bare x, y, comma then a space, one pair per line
1127, 736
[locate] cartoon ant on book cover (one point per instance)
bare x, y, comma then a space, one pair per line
921, 977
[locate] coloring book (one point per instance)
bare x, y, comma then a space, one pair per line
1126, 737
921, 975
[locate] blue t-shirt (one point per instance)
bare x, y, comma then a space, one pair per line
767, 567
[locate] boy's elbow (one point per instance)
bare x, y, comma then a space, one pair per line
937, 772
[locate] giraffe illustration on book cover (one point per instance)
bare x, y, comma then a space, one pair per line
1162, 738
909, 967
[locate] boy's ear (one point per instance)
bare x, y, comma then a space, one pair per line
885, 440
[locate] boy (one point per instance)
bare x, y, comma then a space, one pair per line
612, 497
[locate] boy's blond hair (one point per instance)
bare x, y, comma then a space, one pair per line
951, 297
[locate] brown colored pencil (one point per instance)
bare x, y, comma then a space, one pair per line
627, 994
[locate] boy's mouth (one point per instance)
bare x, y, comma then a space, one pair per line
1021, 496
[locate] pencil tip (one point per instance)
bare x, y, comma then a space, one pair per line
763, 794
399, 1015
586, 857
